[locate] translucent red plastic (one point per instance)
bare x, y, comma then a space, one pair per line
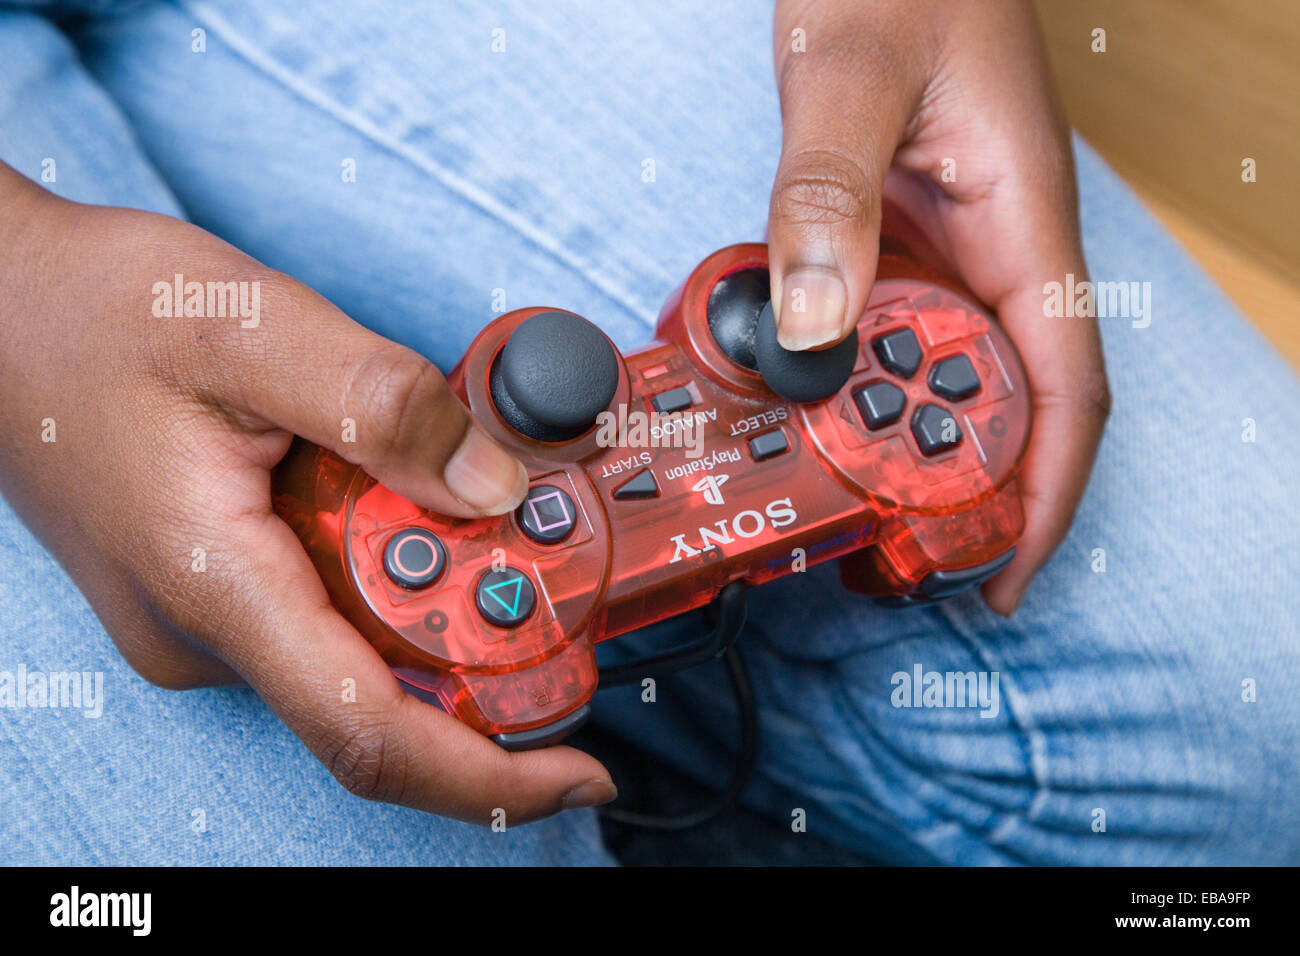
840, 491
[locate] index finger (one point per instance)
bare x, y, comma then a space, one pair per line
381, 743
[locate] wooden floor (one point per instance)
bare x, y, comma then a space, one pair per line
1184, 92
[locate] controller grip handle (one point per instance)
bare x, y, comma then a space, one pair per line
531, 707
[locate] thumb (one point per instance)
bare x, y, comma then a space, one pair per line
313, 371
841, 125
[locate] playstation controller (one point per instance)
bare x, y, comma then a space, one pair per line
896, 451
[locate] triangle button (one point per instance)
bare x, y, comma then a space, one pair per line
505, 597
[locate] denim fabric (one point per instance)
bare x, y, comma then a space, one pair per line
1121, 691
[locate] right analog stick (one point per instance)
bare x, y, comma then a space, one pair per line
554, 375
802, 376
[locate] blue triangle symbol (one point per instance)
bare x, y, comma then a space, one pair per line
513, 606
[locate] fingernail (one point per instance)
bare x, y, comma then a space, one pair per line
591, 794
484, 475
1017, 598
813, 302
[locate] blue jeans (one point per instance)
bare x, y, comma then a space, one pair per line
1149, 686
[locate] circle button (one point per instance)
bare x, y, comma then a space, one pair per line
547, 514
414, 558
505, 597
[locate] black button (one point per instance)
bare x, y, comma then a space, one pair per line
880, 404
547, 514
899, 352
504, 597
954, 379
640, 485
673, 400
413, 558
942, 584
935, 430
768, 444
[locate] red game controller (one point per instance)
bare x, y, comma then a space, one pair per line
896, 451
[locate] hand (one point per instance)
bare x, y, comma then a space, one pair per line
165, 431
886, 97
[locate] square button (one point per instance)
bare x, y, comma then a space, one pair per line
547, 514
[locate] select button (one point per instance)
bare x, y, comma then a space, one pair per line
768, 444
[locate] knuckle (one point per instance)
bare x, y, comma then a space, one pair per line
149, 658
201, 584
822, 188
166, 676
395, 396
1093, 398
364, 761
1087, 399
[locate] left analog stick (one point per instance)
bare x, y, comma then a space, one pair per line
554, 375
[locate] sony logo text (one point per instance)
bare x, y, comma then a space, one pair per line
746, 524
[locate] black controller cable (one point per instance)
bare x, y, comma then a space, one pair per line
728, 610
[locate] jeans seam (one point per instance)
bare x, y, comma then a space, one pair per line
463, 188
1035, 741
920, 838
844, 801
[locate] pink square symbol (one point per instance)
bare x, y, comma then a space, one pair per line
544, 524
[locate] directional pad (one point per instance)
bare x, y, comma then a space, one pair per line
505, 597
935, 430
899, 351
880, 404
954, 379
